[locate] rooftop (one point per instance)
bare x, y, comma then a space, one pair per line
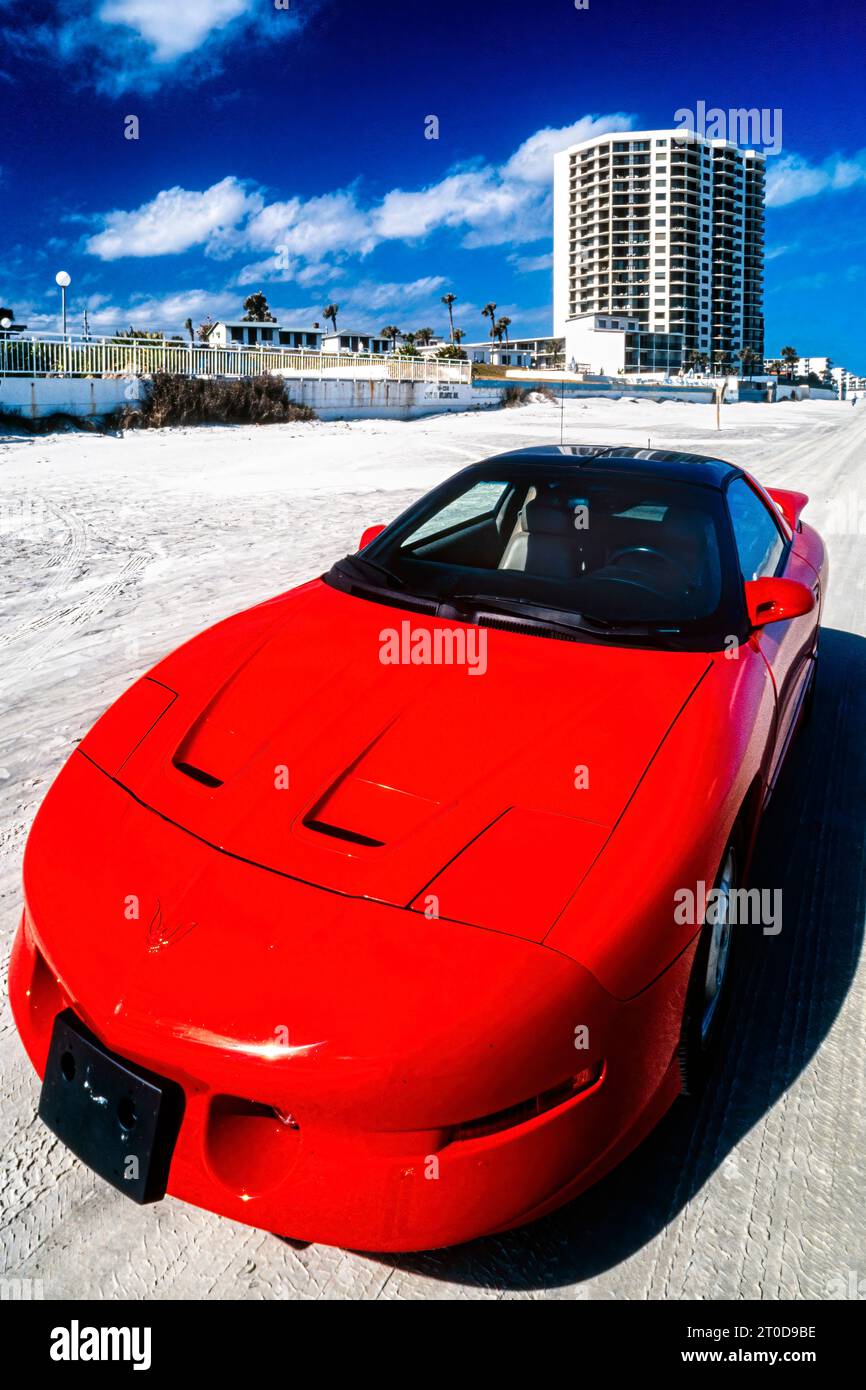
663, 463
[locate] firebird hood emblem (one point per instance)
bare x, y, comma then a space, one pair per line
161, 933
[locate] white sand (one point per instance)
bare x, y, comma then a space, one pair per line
113, 551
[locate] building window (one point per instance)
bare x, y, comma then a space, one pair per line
237, 335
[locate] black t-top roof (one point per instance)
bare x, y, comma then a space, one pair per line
660, 463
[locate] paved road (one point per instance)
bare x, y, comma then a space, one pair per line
758, 1192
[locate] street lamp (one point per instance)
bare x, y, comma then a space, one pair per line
5, 324
63, 280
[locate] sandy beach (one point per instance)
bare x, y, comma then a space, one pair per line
116, 548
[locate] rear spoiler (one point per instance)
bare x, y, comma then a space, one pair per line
790, 504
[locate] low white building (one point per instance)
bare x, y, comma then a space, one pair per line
804, 366
545, 353
264, 333
615, 345
350, 341
846, 383
498, 354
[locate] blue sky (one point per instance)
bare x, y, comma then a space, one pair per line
303, 128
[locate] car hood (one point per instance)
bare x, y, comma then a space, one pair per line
245, 983
282, 737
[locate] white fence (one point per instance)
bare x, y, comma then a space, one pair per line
136, 357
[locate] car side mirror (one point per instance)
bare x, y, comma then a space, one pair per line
370, 535
776, 600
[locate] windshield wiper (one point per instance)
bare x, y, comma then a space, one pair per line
631, 629
560, 618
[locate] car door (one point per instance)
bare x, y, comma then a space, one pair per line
765, 549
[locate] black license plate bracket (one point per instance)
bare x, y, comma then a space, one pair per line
118, 1118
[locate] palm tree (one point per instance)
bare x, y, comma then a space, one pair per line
188, 326
748, 357
257, 309
392, 332
407, 347
329, 314
791, 356
719, 360
457, 335
424, 336
489, 312
448, 300
503, 326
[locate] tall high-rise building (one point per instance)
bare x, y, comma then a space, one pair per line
668, 229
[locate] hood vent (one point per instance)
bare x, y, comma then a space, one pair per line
339, 832
198, 775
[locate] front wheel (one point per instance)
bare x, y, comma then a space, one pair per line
709, 985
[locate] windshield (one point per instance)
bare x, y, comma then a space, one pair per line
607, 549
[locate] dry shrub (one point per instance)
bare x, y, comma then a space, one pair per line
197, 400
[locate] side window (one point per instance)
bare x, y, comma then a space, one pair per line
759, 541
479, 502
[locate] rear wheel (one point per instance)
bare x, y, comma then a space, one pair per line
707, 997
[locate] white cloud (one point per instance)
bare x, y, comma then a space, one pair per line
172, 28
490, 204
371, 295
123, 45
176, 220
361, 302
793, 178
533, 160
330, 222
166, 312
527, 264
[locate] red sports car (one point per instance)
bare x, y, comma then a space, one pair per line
397, 909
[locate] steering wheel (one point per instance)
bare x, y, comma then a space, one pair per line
659, 555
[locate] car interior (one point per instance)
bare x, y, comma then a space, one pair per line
635, 538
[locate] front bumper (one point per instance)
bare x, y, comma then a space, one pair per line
348, 1136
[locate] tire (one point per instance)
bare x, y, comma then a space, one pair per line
709, 988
